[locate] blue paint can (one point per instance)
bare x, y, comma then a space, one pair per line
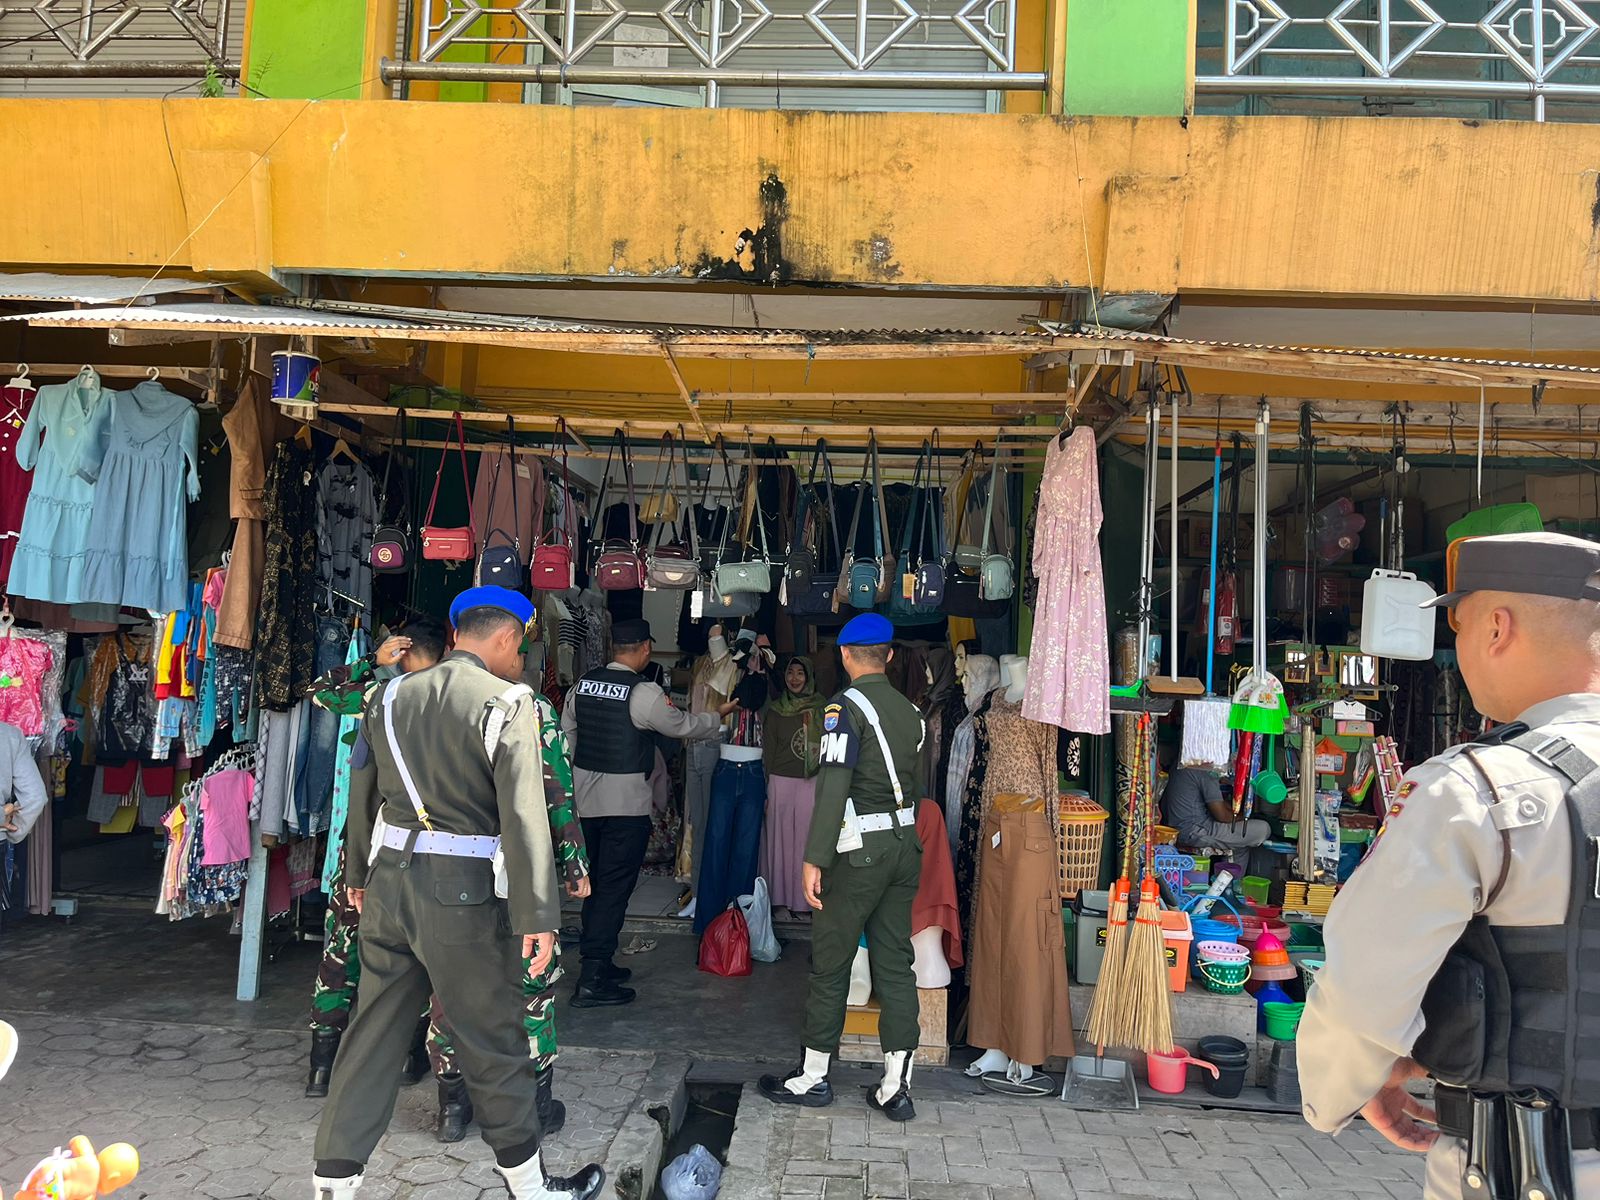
294, 382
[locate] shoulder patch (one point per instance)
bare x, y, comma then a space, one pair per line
831, 716
839, 745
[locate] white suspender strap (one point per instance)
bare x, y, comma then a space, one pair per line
389, 693
855, 696
501, 709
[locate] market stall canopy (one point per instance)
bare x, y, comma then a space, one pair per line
42, 287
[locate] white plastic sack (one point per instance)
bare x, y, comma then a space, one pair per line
696, 1175
757, 909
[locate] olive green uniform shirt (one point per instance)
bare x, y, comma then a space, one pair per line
853, 767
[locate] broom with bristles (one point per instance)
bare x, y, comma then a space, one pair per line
1144, 966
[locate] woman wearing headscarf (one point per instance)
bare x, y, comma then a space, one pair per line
791, 726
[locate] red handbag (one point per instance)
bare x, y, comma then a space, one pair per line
619, 567
725, 945
454, 544
552, 569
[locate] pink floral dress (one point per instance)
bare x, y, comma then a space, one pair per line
1069, 670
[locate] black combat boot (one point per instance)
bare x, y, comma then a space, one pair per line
455, 1109
324, 1049
611, 973
530, 1181
552, 1113
595, 990
417, 1066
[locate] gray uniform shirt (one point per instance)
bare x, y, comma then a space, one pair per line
602, 794
1429, 874
439, 718
20, 782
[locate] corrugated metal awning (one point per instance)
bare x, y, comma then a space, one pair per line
42, 287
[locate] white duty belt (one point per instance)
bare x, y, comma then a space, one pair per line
877, 822
854, 824
451, 845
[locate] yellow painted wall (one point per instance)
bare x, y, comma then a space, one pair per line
1269, 206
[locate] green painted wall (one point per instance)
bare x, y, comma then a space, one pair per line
1129, 58
467, 53
306, 49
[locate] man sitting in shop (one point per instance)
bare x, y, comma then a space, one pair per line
1193, 804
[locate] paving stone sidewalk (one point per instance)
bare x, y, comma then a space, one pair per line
995, 1148
219, 1113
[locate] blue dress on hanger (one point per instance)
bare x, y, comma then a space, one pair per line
138, 540
70, 420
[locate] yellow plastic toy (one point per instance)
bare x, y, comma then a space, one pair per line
76, 1173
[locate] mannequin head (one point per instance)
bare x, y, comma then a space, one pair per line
982, 677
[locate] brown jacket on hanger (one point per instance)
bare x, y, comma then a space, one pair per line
254, 427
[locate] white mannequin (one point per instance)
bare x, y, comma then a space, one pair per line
931, 967
1014, 673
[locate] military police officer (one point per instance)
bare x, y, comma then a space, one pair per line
1489, 979
863, 864
457, 866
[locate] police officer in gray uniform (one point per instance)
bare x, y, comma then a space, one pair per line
612, 719
1467, 945
863, 865
446, 794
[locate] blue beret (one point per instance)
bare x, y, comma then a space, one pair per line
868, 629
489, 596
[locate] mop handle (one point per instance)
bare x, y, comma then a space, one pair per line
1211, 615
1172, 583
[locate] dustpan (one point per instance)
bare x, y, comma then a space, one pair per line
1098, 1083
1259, 705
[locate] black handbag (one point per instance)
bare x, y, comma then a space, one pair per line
391, 544
906, 605
501, 565
810, 598
963, 580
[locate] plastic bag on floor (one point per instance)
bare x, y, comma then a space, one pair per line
696, 1175
757, 909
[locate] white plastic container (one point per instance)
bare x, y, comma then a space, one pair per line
1392, 624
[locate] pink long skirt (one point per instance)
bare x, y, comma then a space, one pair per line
783, 839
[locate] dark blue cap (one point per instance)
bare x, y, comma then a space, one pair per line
489, 596
868, 629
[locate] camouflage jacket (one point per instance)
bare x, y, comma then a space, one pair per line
566, 834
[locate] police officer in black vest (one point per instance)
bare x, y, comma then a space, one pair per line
1467, 945
612, 719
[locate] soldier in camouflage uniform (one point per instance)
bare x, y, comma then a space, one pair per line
343, 691
566, 836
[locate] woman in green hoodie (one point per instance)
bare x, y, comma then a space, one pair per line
791, 729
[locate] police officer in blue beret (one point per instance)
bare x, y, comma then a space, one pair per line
863, 864
462, 884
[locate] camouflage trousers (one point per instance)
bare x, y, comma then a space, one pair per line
339, 973
538, 1021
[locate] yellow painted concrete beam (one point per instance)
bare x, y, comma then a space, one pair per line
1264, 206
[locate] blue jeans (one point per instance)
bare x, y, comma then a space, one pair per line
733, 839
319, 736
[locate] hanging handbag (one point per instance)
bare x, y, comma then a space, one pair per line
996, 574
502, 565
675, 566
391, 544
800, 561
928, 590
748, 574
662, 507
453, 544
619, 567
861, 581
962, 584
808, 593
903, 602
552, 569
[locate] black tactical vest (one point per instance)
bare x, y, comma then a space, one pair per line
608, 742
1517, 1008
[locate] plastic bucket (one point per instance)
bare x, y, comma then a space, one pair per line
1283, 1020
1224, 978
1208, 930
1169, 1073
1231, 1058
294, 377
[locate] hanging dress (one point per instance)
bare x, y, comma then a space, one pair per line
66, 426
15, 481
138, 540
1069, 666
24, 666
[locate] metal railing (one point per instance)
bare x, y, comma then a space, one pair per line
1535, 52
722, 43
87, 39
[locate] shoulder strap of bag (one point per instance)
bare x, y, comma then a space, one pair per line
848, 548
693, 538
914, 513
804, 490
390, 691
941, 542
988, 512
597, 534
880, 523
755, 500
633, 505
516, 518
833, 498
859, 699
727, 471
461, 448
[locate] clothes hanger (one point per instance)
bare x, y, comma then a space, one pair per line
7, 619
21, 379
303, 436
342, 447
154, 374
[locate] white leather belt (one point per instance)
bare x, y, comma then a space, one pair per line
451, 845
877, 822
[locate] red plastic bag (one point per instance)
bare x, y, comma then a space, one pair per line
725, 945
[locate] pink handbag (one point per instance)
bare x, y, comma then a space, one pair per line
454, 544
